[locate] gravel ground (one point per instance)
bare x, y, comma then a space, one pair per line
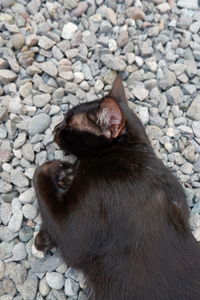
55, 54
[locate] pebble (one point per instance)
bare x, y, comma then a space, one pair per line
55, 280
25, 234
27, 196
45, 42
196, 128
41, 100
49, 68
7, 76
43, 287
174, 95
71, 287
18, 252
69, 30
194, 109
15, 222
140, 93
39, 123
5, 213
18, 178
111, 16
29, 211
18, 41
114, 63
28, 288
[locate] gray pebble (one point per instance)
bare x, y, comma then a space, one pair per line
25, 234
5, 213
194, 109
39, 123
28, 196
28, 288
15, 222
18, 178
55, 280
112, 62
29, 211
18, 252
27, 152
71, 287
43, 287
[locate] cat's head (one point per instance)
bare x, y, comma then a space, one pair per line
95, 126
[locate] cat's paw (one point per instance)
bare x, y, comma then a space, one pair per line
43, 241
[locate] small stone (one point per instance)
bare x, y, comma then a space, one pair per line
18, 178
28, 288
7, 3
29, 211
194, 109
71, 287
98, 86
7, 76
196, 128
168, 80
144, 115
139, 61
191, 4
170, 132
123, 38
140, 93
28, 196
15, 221
145, 48
195, 221
25, 234
112, 45
5, 213
26, 89
45, 42
6, 235
5, 155
32, 40
189, 153
187, 168
175, 95
5, 250
18, 41
43, 287
164, 8
80, 9
9, 286
111, 16
39, 123
33, 6
55, 280
135, 13
6, 18
191, 67
3, 64
105, 26
49, 68
41, 100
27, 152
113, 62
109, 76
18, 252
69, 30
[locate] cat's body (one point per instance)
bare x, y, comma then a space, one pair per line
122, 219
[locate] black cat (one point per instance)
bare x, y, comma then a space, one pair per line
118, 214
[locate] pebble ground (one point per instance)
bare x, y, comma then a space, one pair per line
56, 54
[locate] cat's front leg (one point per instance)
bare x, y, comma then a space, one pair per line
51, 181
43, 241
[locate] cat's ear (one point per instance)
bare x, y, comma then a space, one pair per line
110, 118
117, 92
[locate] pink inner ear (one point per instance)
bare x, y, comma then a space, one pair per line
110, 118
